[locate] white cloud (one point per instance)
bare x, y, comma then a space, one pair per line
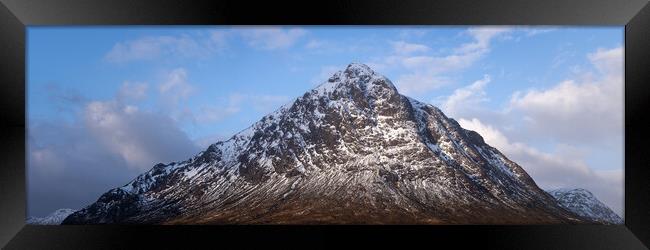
175, 86
482, 37
565, 168
140, 138
272, 38
608, 61
62, 158
585, 109
465, 101
405, 48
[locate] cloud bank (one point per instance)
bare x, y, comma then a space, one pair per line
107, 144
579, 116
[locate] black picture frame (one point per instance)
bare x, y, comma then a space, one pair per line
15, 15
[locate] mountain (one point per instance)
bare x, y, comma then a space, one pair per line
54, 218
585, 204
351, 151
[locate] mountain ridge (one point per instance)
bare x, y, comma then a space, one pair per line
350, 151
55, 218
584, 203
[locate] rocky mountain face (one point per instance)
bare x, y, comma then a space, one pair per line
585, 204
351, 151
54, 218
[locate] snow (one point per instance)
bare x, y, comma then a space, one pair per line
303, 127
55, 218
327, 86
584, 203
318, 114
192, 172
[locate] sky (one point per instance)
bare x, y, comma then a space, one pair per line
105, 104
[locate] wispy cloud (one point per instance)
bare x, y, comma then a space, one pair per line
272, 38
482, 38
155, 47
204, 44
537, 31
467, 100
429, 72
175, 88
405, 48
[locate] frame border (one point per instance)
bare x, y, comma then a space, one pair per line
16, 15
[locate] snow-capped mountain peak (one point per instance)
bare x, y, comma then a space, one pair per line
55, 218
585, 203
357, 78
352, 150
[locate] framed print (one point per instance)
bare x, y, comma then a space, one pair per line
520, 125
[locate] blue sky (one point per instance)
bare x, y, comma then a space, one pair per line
107, 103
